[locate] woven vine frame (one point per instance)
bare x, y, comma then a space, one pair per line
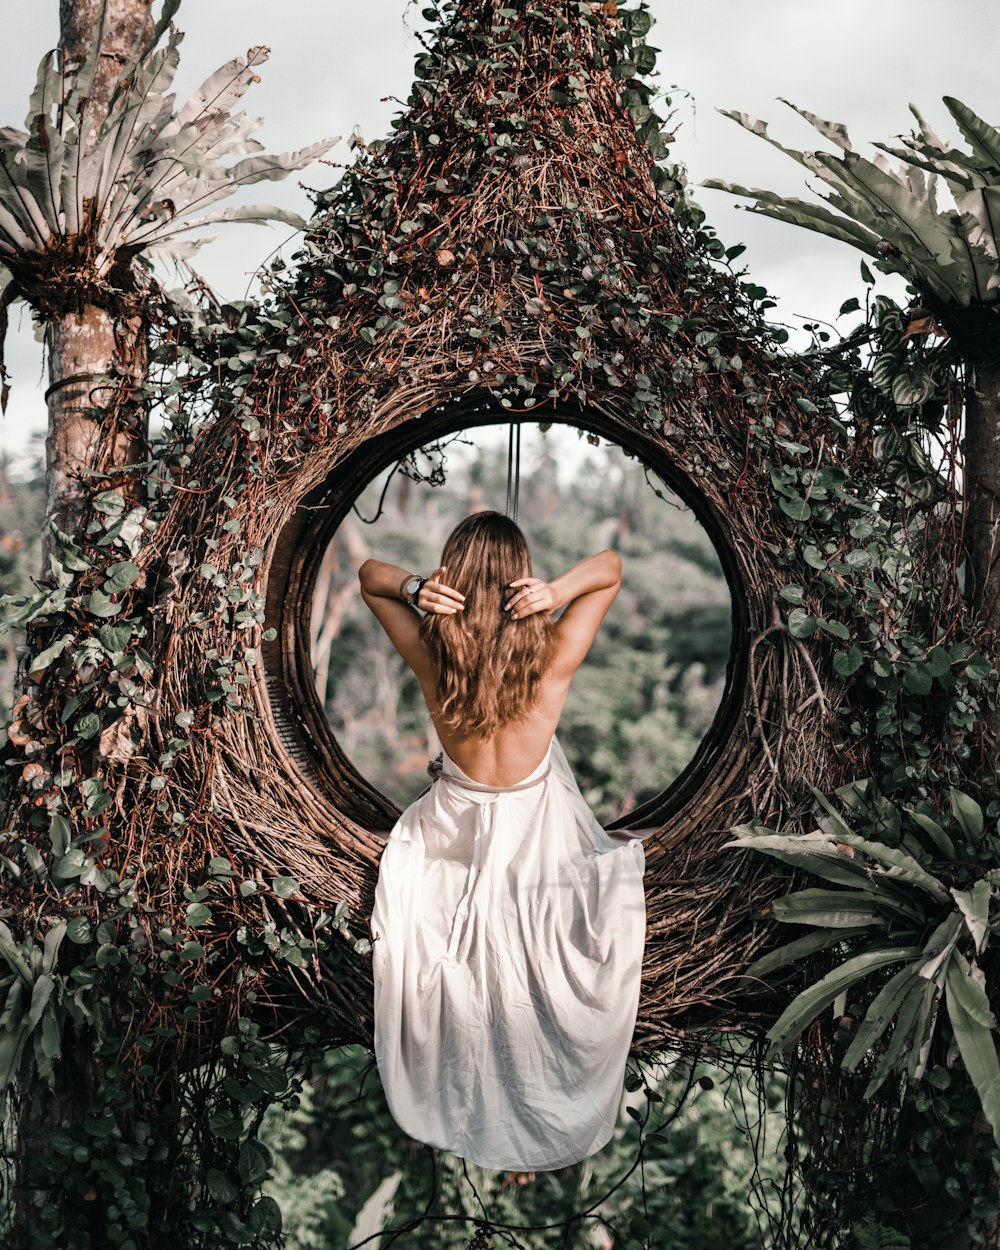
284, 799
561, 275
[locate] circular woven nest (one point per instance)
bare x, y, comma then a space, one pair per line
513, 248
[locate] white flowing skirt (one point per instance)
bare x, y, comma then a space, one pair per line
508, 936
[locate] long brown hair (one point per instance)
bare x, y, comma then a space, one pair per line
489, 666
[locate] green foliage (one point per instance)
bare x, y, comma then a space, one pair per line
82, 198
950, 254
870, 1235
22, 506
898, 910
343, 1170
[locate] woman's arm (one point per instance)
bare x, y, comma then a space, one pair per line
600, 572
587, 590
382, 588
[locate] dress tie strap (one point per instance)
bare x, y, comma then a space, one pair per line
435, 770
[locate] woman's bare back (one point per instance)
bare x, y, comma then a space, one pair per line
516, 750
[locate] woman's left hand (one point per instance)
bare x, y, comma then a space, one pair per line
438, 598
530, 595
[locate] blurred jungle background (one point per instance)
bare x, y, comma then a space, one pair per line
652, 683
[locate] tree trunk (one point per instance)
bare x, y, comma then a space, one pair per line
982, 535
122, 26
93, 425
982, 589
95, 364
982, 467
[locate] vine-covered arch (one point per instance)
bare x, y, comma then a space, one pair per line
515, 249
295, 707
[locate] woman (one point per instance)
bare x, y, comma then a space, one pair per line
508, 924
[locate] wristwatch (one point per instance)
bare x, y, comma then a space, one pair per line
411, 588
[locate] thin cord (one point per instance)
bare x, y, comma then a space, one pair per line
513, 470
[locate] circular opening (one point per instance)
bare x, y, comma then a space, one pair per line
295, 579
651, 686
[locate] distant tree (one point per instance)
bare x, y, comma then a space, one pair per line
948, 254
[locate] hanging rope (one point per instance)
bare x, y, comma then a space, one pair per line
513, 470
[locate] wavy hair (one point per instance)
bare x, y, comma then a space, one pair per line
489, 666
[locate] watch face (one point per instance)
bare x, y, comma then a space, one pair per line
413, 587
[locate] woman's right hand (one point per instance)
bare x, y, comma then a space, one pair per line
530, 595
438, 598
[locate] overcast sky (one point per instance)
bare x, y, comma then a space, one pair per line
857, 61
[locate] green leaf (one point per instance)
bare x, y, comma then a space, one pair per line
60, 834
110, 502
918, 679
975, 907
70, 865
284, 887
846, 663
970, 993
265, 1219
198, 914
978, 667
968, 814
796, 508
79, 930
41, 992
939, 947
271, 1080
11, 954
98, 604
40, 662
114, 638
911, 1012
120, 577
898, 866
255, 1162
837, 628
978, 1051
800, 948
879, 1016
832, 909
934, 831
801, 624
807, 1005
221, 1186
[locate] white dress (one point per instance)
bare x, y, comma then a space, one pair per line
508, 935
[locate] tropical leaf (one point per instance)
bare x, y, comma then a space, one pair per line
893, 214
899, 866
879, 1016
934, 831
975, 907
800, 948
912, 1011
969, 992
983, 138
806, 1006
968, 814
835, 909
977, 1048
146, 173
939, 948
